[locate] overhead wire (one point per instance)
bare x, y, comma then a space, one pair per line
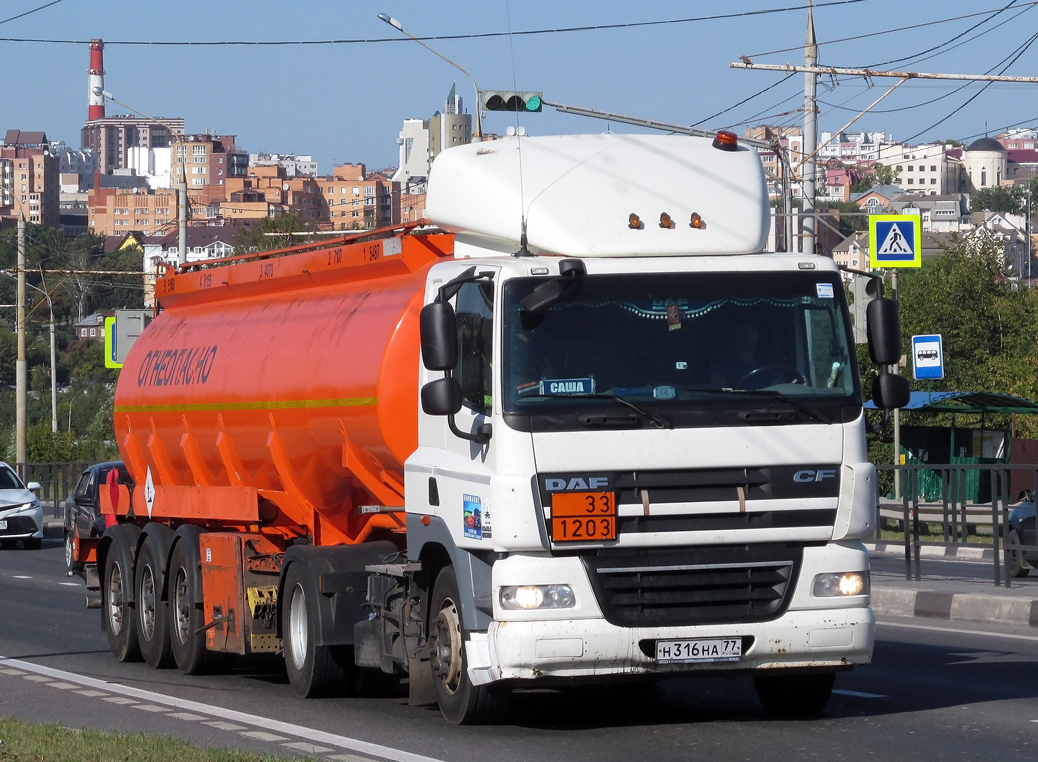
30, 12
882, 32
470, 36
1012, 59
744, 100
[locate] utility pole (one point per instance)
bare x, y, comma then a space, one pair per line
810, 132
21, 373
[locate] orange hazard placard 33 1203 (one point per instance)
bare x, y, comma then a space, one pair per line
583, 516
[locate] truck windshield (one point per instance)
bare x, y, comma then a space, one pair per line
683, 348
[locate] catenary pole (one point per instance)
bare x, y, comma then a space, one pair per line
810, 133
21, 374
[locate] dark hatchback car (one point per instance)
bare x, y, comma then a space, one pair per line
83, 517
1022, 532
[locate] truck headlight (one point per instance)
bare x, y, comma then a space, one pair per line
847, 583
529, 597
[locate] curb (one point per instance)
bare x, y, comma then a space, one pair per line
971, 607
935, 551
53, 529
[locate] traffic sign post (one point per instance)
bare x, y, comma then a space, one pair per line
895, 240
928, 357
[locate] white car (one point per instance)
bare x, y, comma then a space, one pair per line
21, 517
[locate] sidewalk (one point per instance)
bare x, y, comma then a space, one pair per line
939, 597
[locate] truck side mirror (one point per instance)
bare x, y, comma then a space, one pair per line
884, 331
439, 332
890, 391
441, 397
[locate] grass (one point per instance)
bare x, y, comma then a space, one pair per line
34, 742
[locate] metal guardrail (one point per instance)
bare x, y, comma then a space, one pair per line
955, 513
57, 480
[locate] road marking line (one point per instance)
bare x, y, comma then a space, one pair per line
186, 716
263, 736
12, 672
63, 686
150, 707
37, 678
69, 584
89, 693
355, 758
957, 631
308, 748
224, 725
20, 576
300, 731
859, 694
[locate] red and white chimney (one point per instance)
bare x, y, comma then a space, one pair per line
96, 101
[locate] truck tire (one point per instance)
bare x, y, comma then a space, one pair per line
71, 565
185, 617
313, 670
461, 702
794, 695
152, 613
119, 613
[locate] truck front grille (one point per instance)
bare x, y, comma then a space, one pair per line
19, 525
709, 585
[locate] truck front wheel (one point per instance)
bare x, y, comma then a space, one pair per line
795, 695
313, 670
461, 702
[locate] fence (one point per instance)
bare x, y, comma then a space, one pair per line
953, 484
57, 480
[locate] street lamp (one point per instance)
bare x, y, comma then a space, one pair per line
400, 28
53, 355
182, 189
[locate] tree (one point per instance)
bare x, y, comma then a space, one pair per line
256, 238
999, 198
880, 175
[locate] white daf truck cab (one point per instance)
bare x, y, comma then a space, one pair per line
642, 444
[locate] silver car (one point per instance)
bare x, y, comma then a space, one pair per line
21, 517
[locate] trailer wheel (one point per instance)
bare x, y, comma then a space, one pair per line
461, 702
119, 613
313, 670
186, 618
152, 614
794, 695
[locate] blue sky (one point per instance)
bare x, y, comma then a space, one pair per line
346, 102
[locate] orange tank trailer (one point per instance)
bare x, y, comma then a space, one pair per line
279, 392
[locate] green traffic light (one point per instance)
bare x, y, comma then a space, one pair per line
533, 103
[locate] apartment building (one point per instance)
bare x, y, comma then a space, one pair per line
933, 169
29, 179
353, 200
111, 138
112, 211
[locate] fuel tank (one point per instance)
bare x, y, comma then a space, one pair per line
280, 389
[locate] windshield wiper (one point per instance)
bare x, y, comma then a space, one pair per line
773, 394
657, 421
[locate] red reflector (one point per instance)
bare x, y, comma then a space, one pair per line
726, 141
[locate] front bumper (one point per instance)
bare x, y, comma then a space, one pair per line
588, 648
22, 525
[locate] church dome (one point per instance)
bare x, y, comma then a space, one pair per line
986, 144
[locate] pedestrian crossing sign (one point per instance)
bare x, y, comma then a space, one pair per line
895, 240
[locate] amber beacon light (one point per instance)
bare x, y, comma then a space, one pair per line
726, 140
634, 222
696, 221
